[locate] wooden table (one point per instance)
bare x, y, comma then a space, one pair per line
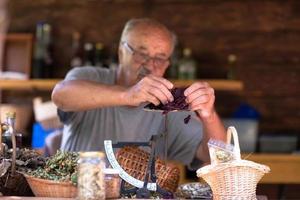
284, 167
45, 198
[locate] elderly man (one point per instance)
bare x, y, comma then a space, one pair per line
97, 104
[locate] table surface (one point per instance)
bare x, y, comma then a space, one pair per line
259, 197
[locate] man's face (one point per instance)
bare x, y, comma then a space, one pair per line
144, 52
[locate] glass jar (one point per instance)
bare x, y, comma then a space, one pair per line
112, 183
91, 184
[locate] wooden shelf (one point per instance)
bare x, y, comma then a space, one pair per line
19, 37
217, 84
33, 84
48, 84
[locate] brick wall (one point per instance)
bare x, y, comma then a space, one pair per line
263, 34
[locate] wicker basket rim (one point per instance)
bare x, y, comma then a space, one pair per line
32, 178
237, 163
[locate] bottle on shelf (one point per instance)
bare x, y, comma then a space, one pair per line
38, 55
172, 71
231, 71
100, 57
47, 33
8, 129
42, 57
113, 57
187, 66
76, 59
88, 54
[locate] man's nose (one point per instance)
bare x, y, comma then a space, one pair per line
149, 64
144, 71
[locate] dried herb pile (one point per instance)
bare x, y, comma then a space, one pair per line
60, 167
26, 161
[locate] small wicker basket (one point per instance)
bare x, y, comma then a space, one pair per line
236, 179
49, 188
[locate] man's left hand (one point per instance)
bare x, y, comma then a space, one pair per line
201, 97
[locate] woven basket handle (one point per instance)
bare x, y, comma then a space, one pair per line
231, 131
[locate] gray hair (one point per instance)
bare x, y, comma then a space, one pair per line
134, 23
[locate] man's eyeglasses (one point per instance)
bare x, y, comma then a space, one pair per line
142, 57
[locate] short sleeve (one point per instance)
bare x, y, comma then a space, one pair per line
96, 74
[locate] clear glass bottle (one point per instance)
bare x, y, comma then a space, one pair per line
91, 183
76, 59
231, 73
48, 57
88, 54
9, 129
100, 57
39, 53
187, 66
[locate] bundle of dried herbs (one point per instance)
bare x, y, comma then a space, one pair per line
26, 161
179, 103
60, 167
15, 183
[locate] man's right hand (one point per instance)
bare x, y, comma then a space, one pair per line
151, 89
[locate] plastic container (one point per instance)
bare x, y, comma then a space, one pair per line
220, 152
277, 144
112, 183
247, 129
91, 184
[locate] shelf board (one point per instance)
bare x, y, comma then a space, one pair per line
19, 37
32, 84
217, 84
48, 84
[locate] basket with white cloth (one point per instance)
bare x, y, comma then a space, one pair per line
236, 179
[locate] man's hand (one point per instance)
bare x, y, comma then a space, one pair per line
201, 97
150, 89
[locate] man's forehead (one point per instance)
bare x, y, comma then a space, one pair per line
146, 39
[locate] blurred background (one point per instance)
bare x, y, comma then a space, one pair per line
248, 49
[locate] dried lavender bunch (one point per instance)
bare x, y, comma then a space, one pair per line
179, 103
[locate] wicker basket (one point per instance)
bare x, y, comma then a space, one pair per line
134, 161
236, 179
49, 188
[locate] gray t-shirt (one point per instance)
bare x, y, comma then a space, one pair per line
86, 130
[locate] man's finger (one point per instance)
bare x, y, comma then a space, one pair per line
164, 81
194, 87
